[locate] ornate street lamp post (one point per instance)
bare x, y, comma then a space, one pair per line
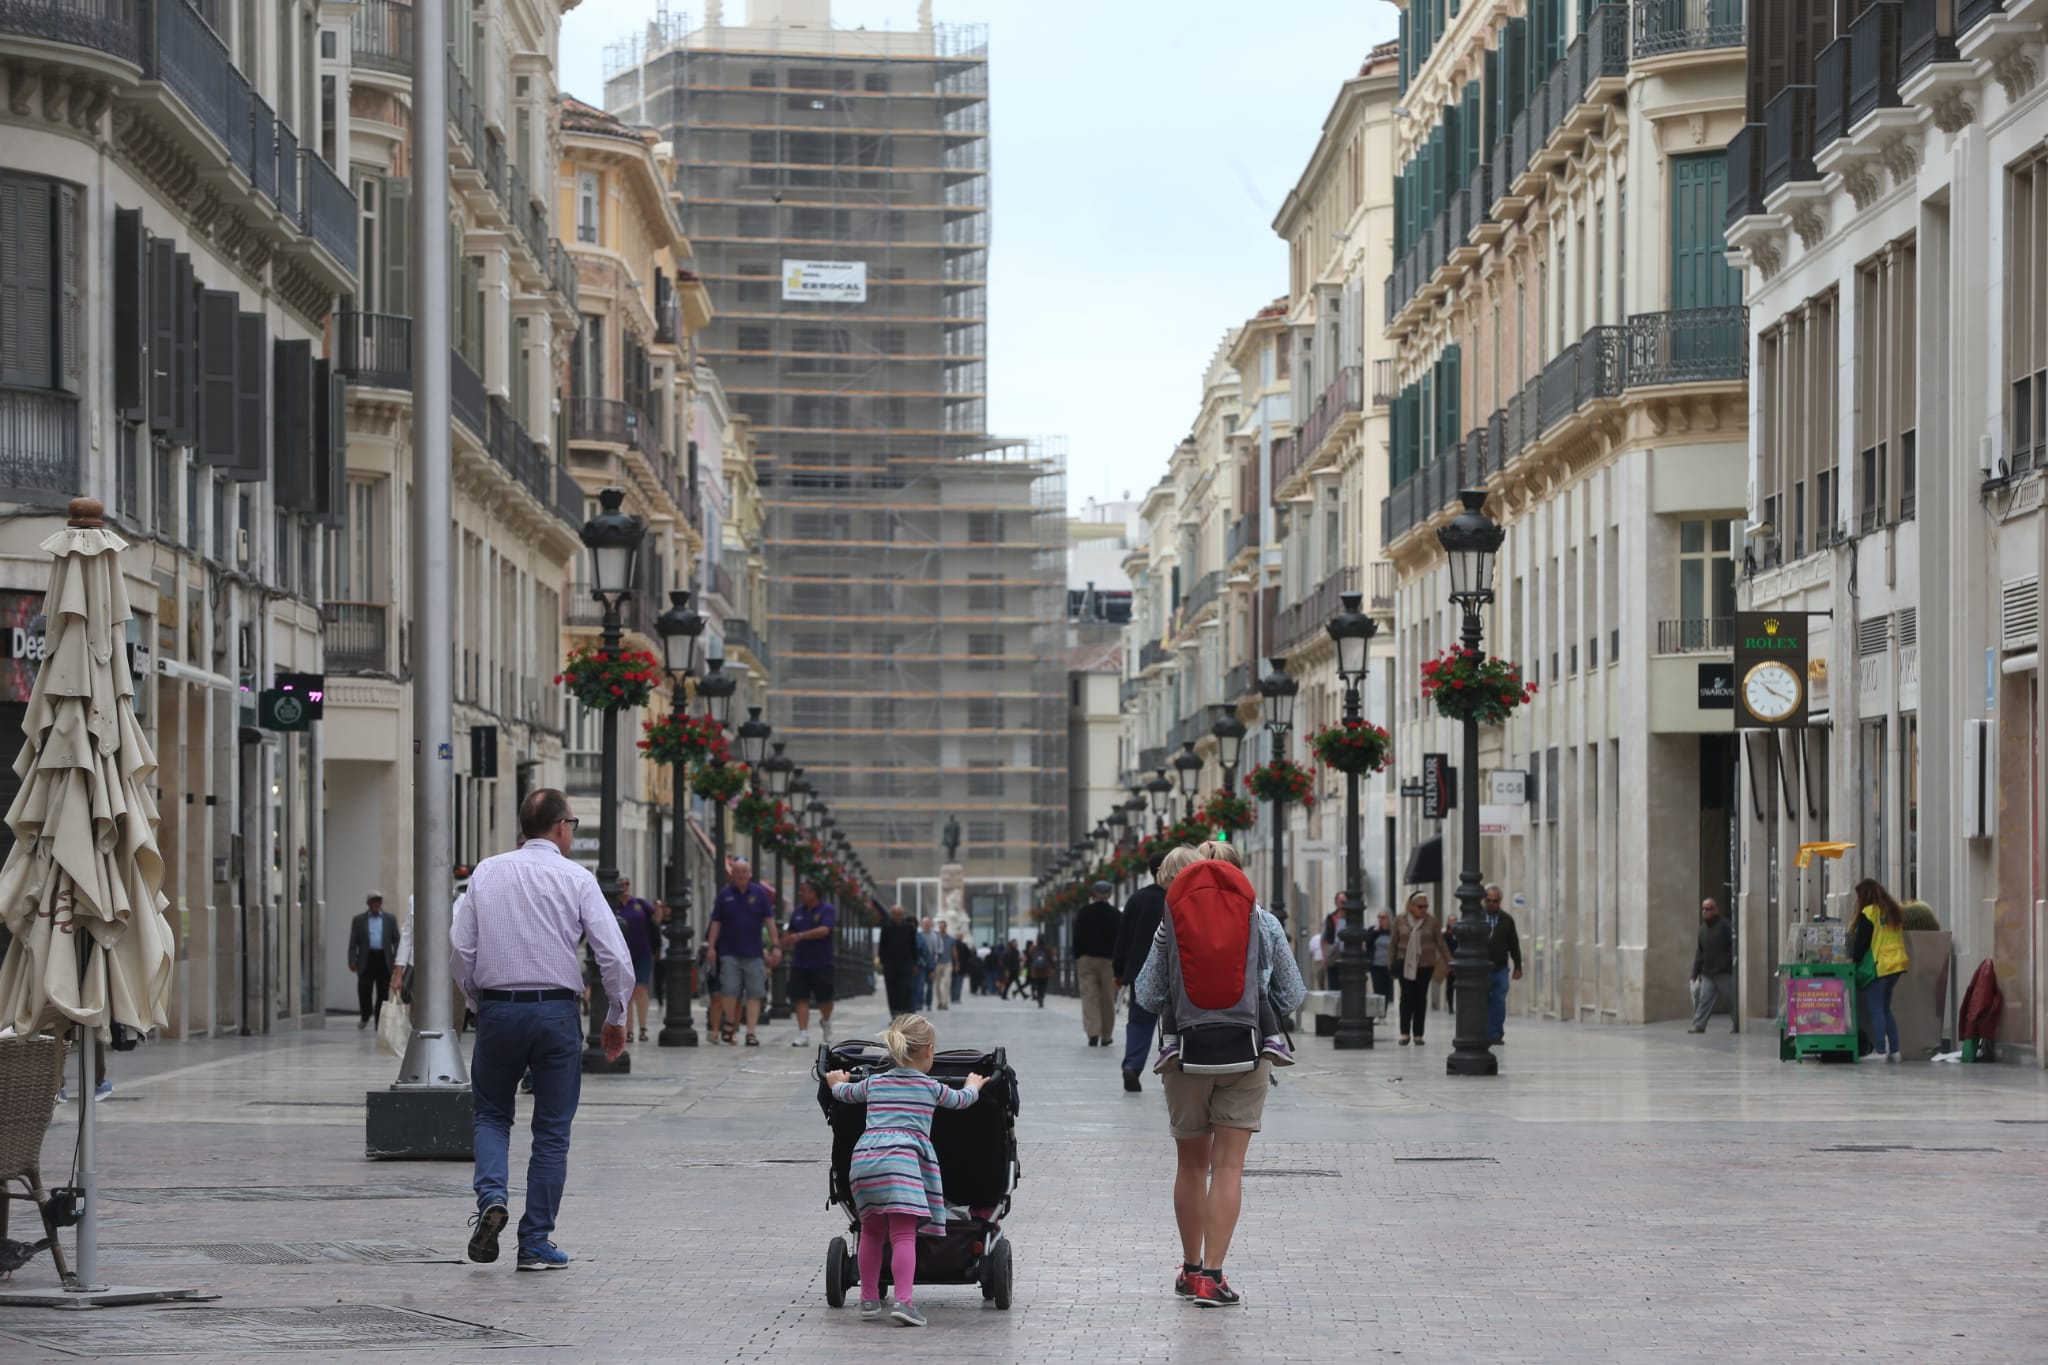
1276, 691
679, 629
777, 770
1470, 542
1160, 790
716, 689
1352, 630
1229, 732
613, 539
1187, 766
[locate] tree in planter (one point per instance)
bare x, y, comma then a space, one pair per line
1468, 685
1356, 746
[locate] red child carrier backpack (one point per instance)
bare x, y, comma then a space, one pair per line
1213, 968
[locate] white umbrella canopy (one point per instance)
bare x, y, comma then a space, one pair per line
81, 890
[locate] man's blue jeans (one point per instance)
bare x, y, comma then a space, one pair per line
513, 1038
959, 980
1497, 1003
1138, 1035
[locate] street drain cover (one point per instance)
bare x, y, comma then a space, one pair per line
1283, 1170
192, 1331
259, 1194
1897, 1147
280, 1253
1446, 1158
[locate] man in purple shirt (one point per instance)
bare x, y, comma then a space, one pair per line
809, 941
742, 919
514, 957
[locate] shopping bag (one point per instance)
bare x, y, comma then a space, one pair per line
394, 1028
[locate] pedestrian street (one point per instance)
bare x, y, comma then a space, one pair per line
1615, 1194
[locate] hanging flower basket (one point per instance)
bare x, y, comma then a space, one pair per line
1230, 813
672, 740
755, 815
1472, 686
1281, 780
720, 783
1193, 830
604, 681
1357, 746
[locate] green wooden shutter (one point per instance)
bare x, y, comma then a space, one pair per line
217, 406
131, 326
395, 248
1700, 277
163, 331
252, 398
27, 325
291, 437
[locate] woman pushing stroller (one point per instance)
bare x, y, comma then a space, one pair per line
894, 1172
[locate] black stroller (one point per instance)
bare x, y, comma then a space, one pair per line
977, 1150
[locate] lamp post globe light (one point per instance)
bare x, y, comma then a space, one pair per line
1160, 790
613, 539
1229, 733
1276, 691
1352, 631
679, 629
1187, 766
1470, 542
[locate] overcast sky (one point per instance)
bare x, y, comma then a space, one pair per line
1140, 151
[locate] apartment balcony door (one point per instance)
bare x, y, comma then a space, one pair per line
1700, 276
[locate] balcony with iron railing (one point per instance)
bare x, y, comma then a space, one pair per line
1241, 536
740, 634
1664, 27
582, 610
374, 349
1296, 623
1383, 386
1788, 137
1206, 590
1344, 398
112, 27
609, 421
1152, 653
1380, 595
1926, 36
1240, 681
1286, 460
356, 636
39, 447
1695, 635
380, 37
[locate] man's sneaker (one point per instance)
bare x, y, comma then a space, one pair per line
870, 1310
905, 1313
488, 1221
802, 1039
1184, 1282
105, 1089
546, 1256
1169, 1048
1131, 1082
1276, 1051
1213, 1291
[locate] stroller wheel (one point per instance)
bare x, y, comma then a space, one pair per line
999, 1274
838, 1265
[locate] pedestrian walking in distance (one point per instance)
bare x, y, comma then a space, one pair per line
636, 921
739, 938
1041, 969
514, 953
1134, 931
1503, 947
1095, 964
372, 950
897, 1188
809, 943
896, 946
1218, 946
1713, 968
939, 980
1419, 954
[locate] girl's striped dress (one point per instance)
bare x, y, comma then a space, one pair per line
894, 1169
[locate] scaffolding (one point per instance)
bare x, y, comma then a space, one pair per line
836, 191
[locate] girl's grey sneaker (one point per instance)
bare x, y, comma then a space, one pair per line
870, 1310
906, 1314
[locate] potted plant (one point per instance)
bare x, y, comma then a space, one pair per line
670, 740
1229, 812
1281, 780
1356, 746
601, 679
1468, 685
720, 782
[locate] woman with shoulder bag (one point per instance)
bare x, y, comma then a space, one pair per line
1877, 945
1418, 954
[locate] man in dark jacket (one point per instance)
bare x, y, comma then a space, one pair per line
372, 948
1503, 947
1095, 964
1713, 969
1134, 932
897, 948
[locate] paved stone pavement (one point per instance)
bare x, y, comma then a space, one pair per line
1616, 1194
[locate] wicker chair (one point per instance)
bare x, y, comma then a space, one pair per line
30, 1071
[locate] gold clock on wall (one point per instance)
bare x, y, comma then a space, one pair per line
1771, 691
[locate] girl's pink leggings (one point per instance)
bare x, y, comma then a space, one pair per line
899, 1232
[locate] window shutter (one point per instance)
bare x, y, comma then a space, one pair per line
329, 452
252, 398
1489, 99
26, 322
291, 442
185, 380
163, 330
69, 253
216, 370
131, 329
1514, 71
396, 249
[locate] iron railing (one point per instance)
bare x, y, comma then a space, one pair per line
1381, 597
1242, 535
1693, 635
1241, 680
1153, 653
1788, 137
380, 37
1831, 92
741, 634
194, 65
1383, 388
568, 499
357, 636
1344, 396
330, 210
1667, 26
39, 450
1693, 345
581, 608
287, 172
1286, 459
466, 395
1295, 623
611, 420
110, 26
1921, 39
374, 349
1206, 590
263, 147
1970, 13
1874, 53
1745, 173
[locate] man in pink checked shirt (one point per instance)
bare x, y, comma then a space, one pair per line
515, 961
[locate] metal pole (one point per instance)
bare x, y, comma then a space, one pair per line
432, 1059
88, 1157
594, 1060
1473, 1046
1354, 1030
676, 1028
778, 992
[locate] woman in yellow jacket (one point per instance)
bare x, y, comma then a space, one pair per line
1880, 931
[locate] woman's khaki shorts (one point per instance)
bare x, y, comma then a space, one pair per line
1196, 1105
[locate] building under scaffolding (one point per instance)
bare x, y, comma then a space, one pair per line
836, 188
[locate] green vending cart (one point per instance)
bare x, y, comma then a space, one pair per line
1819, 1014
